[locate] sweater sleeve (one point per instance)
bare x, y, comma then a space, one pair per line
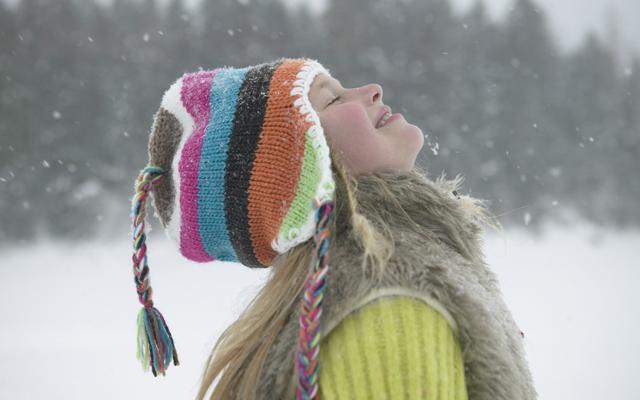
395, 347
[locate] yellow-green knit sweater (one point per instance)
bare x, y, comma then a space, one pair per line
395, 347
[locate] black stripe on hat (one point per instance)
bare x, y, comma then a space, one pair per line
251, 108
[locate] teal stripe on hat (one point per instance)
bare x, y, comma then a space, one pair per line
211, 212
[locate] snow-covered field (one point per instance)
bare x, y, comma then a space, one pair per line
67, 314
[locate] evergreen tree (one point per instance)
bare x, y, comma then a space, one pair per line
627, 187
473, 113
527, 77
526, 125
594, 110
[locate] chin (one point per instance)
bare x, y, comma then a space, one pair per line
413, 134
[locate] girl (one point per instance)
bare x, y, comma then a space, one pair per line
378, 287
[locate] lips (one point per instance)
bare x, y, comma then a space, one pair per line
383, 111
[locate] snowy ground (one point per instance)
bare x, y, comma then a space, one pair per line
68, 313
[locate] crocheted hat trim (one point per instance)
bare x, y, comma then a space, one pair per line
289, 237
309, 182
277, 173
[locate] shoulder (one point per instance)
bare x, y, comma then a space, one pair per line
391, 345
403, 300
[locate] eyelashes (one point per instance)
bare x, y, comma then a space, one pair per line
332, 101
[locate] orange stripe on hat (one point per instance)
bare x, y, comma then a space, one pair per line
279, 156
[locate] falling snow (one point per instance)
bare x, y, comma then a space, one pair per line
519, 124
555, 171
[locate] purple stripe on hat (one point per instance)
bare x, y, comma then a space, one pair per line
195, 98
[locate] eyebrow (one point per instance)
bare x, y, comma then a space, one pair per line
326, 81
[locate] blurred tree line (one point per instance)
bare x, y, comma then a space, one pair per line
536, 131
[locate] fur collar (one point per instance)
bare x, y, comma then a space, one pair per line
438, 253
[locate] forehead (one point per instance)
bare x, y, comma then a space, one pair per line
322, 80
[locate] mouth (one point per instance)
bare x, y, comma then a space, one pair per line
383, 117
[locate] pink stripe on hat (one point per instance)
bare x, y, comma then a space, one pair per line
195, 97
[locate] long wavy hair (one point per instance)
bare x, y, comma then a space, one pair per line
237, 357
239, 354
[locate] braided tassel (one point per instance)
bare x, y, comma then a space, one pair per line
155, 347
307, 361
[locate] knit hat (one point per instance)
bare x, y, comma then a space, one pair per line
239, 170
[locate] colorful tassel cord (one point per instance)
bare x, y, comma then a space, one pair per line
155, 347
307, 360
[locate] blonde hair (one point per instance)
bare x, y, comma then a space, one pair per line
239, 353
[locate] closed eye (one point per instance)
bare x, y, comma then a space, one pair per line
331, 102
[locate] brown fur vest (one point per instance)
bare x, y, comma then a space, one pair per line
438, 256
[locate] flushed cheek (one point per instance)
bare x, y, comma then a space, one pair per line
352, 118
352, 132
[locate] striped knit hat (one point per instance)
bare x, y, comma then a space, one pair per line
240, 171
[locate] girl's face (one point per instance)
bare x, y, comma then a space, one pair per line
350, 120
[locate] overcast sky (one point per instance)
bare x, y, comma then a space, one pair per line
570, 19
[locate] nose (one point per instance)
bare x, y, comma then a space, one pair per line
371, 93
374, 93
